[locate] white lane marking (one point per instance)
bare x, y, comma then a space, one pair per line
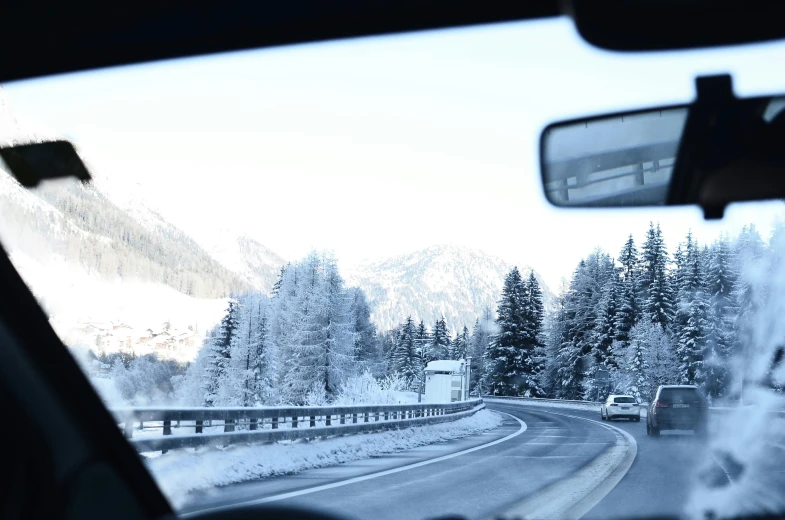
370, 476
573, 496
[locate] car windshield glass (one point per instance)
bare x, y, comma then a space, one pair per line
326, 276
679, 395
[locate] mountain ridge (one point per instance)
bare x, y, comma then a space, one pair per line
456, 282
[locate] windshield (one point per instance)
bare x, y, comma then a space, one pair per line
679, 395
327, 276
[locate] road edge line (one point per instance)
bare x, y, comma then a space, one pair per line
291, 494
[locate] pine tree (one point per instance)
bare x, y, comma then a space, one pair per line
277, 286
534, 345
365, 350
653, 283
721, 338
458, 345
479, 345
260, 357
422, 341
629, 309
319, 346
405, 359
574, 358
440, 341
220, 345
606, 330
515, 353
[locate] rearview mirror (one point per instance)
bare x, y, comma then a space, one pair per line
618, 160
712, 152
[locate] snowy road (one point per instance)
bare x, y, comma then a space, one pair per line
524, 457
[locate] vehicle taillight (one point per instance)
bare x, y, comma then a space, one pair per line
614, 404
661, 404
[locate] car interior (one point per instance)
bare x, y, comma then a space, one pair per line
65, 456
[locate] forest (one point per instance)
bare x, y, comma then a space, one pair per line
641, 318
80, 224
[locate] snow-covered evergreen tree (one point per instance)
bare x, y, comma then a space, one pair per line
405, 359
322, 357
366, 349
440, 341
219, 350
574, 358
516, 349
653, 282
422, 341
479, 345
459, 344
721, 343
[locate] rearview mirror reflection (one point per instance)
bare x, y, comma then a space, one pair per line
618, 160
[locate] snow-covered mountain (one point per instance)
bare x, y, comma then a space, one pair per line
456, 282
257, 265
109, 231
254, 264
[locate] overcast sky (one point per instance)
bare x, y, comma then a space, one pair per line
374, 147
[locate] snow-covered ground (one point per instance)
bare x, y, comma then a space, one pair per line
70, 296
181, 472
108, 392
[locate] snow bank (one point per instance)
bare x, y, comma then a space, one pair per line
108, 392
178, 473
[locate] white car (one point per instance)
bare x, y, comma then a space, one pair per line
620, 406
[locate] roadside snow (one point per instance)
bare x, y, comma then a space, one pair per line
108, 392
181, 472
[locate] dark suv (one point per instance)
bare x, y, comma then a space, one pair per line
677, 407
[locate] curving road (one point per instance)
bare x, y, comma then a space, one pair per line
539, 458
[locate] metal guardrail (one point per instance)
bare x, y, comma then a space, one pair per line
249, 425
566, 178
713, 409
541, 399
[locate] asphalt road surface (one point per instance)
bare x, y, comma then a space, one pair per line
535, 451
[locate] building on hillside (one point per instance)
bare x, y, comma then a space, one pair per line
447, 380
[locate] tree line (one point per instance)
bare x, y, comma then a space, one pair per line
622, 324
647, 317
296, 346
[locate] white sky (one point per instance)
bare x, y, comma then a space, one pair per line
374, 147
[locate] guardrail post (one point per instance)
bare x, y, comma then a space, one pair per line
366, 417
199, 426
343, 419
294, 422
328, 420
354, 418
228, 425
167, 427
376, 417
253, 425
129, 428
386, 416
275, 423
313, 421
